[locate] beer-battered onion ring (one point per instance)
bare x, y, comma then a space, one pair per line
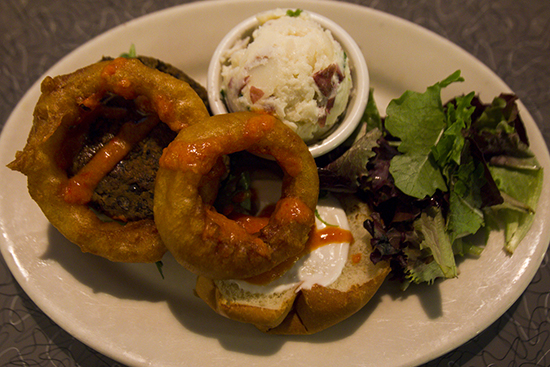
58, 110
208, 243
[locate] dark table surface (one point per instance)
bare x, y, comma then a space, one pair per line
512, 37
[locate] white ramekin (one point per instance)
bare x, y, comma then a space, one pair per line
359, 73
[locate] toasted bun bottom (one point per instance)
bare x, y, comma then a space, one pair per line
319, 308
307, 311
250, 313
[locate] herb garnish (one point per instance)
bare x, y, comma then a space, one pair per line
296, 13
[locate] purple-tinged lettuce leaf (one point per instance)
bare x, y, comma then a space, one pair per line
344, 174
490, 194
499, 130
379, 183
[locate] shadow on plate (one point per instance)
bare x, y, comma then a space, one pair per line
143, 282
125, 281
465, 354
245, 338
429, 296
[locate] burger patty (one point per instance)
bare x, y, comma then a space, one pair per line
126, 193
176, 73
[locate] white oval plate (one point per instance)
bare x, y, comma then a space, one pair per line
127, 312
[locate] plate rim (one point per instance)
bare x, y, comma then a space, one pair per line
150, 17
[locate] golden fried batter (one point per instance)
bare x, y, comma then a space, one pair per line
205, 241
63, 104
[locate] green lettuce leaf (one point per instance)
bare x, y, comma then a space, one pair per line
465, 216
431, 225
131, 54
423, 272
524, 188
418, 120
449, 147
417, 175
371, 117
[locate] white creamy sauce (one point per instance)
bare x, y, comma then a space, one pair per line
321, 266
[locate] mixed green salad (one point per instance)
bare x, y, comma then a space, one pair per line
439, 177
